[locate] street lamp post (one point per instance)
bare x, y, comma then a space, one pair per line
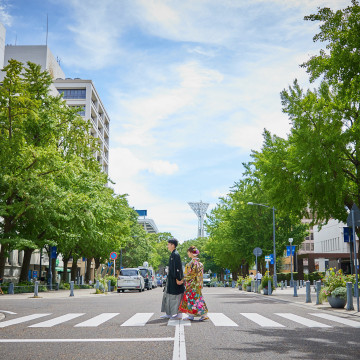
291, 269
273, 210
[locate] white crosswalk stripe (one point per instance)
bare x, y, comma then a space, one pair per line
301, 320
97, 320
139, 319
338, 319
22, 319
57, 320
220, 319
216, 319
261, 320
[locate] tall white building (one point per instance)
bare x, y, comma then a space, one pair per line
82, 93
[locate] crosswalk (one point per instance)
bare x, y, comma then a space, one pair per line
276, 320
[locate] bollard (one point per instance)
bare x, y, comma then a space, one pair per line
252, 285
318, 289
97, 285
78, 280
109, 286
314, 283
242, 285
295, 289
298, 284
349, 295
256, 285
36, 289
269, 288
11, 289
282, 285
71, 288
285, 284
57, 286
308, 292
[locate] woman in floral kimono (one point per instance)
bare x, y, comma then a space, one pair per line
193, 302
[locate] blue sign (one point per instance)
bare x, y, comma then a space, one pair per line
113, 256
53, 251
35, 274
348, 235
270, 258
141, 212
267, 258
292, 250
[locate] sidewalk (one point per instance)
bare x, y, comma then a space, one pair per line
287, 295
53, 294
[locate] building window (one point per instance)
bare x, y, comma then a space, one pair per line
81, 112
73, 93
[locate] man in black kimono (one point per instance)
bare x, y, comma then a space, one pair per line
173, 292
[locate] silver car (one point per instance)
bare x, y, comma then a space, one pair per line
130, 279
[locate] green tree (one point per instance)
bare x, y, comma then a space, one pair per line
319, 163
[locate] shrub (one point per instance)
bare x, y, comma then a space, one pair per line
265, 282
339, 292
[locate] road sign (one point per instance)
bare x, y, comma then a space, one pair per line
35, 274
348, 236
356, 216
113, 256
53, 250
267, 258
257, 251
288, 250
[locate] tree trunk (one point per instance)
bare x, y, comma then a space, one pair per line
3, 256
65, 260
97, 263
74, 269
88, 270
26, 264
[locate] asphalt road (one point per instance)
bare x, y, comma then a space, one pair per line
127, 326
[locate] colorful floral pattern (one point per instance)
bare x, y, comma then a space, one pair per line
193, 302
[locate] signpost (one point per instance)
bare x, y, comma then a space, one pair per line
257, 252
353, 220
113, 256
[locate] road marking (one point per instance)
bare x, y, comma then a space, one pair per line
219, 319
179, 352
172, 322
83, 340
97, 320
338, 319
7, 312
139, 319
302, 320
261, 320
57, 320
21, 320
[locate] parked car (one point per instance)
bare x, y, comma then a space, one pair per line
130, 279
159, 280
146, 274
206, 280
153, 277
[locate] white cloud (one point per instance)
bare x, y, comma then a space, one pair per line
145, 114
5, 18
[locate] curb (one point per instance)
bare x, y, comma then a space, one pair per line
2, 316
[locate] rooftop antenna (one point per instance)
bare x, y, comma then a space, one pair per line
199, 209
47, 27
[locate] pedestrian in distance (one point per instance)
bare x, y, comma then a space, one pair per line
173, 290
193, 302
258, 276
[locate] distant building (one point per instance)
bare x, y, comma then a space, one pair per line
148, 224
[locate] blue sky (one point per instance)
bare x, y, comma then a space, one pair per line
189, 85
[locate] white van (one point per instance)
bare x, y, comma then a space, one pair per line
130, 279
